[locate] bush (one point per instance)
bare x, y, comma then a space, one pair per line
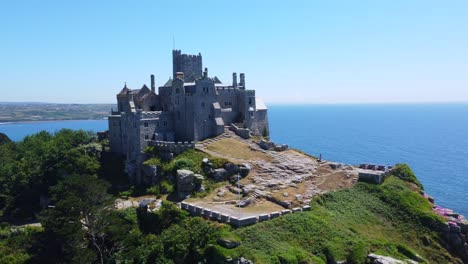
166, 186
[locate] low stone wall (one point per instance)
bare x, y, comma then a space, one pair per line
241, 132
172, 147
196, 210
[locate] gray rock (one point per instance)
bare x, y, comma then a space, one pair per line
244, 170
227, 243
231, 168
185, 183
245, 202
220, 175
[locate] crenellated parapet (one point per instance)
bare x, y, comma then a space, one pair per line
172, 147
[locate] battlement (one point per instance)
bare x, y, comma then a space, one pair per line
226, 88
148, 114
250, 92
172, 147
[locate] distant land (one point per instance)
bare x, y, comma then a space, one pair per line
36, 111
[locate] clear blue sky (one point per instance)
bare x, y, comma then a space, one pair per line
291, 51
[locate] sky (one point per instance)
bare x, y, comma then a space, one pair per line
290, 51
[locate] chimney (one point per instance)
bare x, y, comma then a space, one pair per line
153, 87
234, 79
180, 75
242, 80
205, 73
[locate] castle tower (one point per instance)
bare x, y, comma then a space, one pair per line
190, 65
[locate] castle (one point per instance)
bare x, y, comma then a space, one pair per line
189, 107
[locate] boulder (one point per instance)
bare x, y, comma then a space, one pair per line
231, 168
185, 183
244, 169
245, 202
220, 175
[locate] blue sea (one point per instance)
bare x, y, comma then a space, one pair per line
431, 138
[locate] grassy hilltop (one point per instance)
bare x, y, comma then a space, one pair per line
83, 180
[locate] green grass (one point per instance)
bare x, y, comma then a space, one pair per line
389, 219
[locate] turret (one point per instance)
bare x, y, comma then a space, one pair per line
153, 86
242, 80
234, 79
205, 73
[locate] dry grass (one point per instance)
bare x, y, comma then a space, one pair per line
232, 148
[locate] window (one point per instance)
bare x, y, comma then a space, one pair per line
250, 101
146, 137
146, 124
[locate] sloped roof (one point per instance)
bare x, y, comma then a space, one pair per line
124, 91
216, 80
143, 91
219, 121
168, 83
216, 105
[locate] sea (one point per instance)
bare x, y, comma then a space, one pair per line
431, 138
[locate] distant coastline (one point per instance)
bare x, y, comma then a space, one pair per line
45, 112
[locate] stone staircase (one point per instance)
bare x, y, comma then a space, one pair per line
203, 144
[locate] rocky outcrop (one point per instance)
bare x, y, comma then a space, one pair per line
456, 240
378, 259
185, 183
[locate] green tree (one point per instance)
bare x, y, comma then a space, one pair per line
82, 226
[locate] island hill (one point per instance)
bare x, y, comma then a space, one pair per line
230, 196
205, 145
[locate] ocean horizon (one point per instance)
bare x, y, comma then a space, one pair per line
430, 137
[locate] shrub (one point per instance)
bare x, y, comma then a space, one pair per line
166, 186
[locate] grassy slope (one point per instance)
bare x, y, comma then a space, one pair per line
391, 219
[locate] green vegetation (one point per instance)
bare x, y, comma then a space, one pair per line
404, 172
390, 219
4, 139
80, 225
28, 168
